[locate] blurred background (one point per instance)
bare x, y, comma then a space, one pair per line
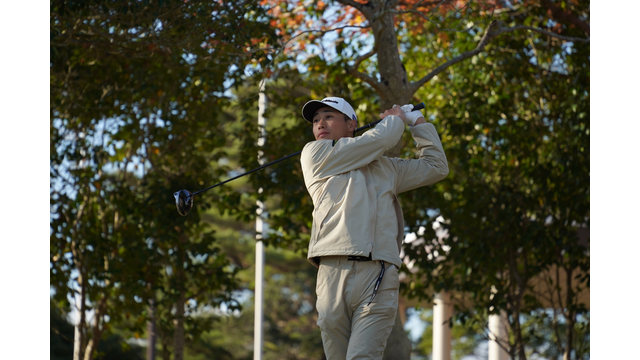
150, 97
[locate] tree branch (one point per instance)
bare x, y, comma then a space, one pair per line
353, 70
458, 28
492, 31
96, 331
351, 3
560, 15
326, 31
541, 31
422, 3
368, 79
488, 35
361, 58
414, 9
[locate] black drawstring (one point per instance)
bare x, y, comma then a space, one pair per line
375, 288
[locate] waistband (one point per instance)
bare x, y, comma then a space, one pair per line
341, 258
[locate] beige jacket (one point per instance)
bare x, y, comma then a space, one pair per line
354, 188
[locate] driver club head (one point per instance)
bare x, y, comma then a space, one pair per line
184, 201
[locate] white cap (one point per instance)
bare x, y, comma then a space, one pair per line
309, 109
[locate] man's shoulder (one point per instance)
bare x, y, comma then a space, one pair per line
312, 150
317, 144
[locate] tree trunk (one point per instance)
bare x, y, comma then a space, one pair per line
77, 342
569, 347
393, 76
178, 322
570, 316
518, 333
78, 337
151, 332
166, 354
97, 328
88, 352
178, 334
398, 344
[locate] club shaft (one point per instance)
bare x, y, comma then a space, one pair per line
419, 106
247, 173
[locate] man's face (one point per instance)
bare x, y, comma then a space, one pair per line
330, 124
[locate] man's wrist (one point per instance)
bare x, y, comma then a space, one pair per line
420, 120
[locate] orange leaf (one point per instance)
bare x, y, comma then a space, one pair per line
444, 37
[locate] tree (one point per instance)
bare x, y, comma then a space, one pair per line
142, 83
289, 298
519, 185
61, 341
136, 89
508, 55
465, 339
290, 330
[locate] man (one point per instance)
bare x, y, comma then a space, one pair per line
358, 224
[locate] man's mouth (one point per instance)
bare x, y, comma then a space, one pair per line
323, 133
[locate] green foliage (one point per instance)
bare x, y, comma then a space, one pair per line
516, 136
548, 344
289, 298
137, 90
542, 337
60, 335
290, 330
515, 126
138, 110
514, 122
61, 342
465, 337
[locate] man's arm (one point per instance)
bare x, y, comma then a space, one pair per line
323, 158
432, 165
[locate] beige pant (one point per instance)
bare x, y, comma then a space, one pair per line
351, 329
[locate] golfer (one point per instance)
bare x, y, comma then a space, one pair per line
358, 224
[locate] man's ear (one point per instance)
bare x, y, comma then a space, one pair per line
353, 126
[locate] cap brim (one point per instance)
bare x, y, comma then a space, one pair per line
309, 109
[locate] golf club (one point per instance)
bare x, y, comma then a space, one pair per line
184, 198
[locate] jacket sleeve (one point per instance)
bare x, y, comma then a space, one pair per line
324, 158
430, 168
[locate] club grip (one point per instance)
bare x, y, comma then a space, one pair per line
418, 106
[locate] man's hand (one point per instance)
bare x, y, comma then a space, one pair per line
395, 110
414, 117
410, 118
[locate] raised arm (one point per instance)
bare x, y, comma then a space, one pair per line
432, 165
324, 158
